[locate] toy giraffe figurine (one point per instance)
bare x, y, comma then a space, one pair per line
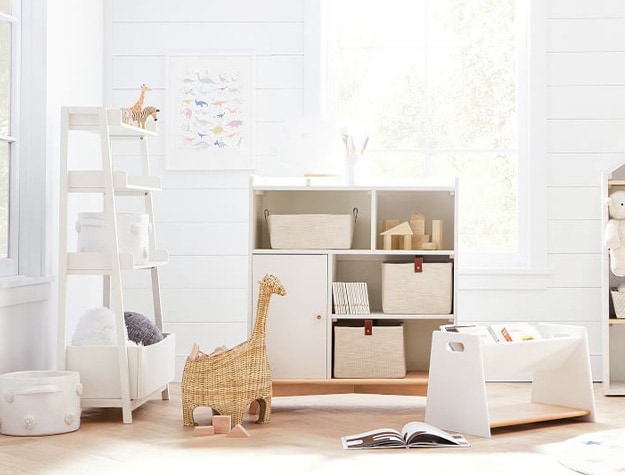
138, 107
228, 381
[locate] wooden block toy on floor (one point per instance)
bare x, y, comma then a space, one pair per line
204, 430
238, 431
222, 424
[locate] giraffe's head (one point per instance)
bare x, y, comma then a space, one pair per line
145, 88
273, 284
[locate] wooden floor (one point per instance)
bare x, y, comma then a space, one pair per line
302, 437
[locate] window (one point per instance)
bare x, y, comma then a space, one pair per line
438, 88
9, 28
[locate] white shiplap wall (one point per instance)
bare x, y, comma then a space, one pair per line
202, 216
586, 125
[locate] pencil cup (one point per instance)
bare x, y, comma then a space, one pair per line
356, 169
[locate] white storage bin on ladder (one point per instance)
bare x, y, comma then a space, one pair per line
132, 232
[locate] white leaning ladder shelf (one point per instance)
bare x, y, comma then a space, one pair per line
118, 376
460, 365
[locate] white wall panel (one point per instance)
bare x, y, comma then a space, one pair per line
279, 105
592, 68
197, 239
575, 203
192, 305
563, 305
272, 72
586, 34
169, 38
585, 9
198, 205
586, 102
574, 237
207, 11
586, 136
581, 169
575, 270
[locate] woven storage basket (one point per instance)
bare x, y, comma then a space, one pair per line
618, 300
378, 355
407, 291
311, 231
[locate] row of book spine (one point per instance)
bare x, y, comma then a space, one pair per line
350, 298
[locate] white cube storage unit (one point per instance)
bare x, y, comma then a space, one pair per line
302, 327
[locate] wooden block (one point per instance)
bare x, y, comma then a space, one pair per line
388, 224
204, 430
254, 407
238, 431
429, 246
419, 240
195, 352
437, 233
417, 223
388, 243
407, 242
222, 424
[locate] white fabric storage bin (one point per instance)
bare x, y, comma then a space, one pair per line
405, 291
39, 402
150, 368
133, 234
377, 353
311, 231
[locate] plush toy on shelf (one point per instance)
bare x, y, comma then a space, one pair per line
614, 238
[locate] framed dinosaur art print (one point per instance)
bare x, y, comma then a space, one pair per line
210, 111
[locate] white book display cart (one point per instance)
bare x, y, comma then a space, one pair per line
460, 365
116, 376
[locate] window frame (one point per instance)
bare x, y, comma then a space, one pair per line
530, 268
9, 265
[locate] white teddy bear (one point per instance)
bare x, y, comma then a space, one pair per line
614, 238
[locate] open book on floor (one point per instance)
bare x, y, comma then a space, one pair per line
413, 434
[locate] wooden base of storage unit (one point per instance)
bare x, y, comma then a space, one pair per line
414, 384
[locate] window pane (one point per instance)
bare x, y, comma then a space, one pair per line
4, 199
434, 83
5, 6
5, 83
472, 73
488, 198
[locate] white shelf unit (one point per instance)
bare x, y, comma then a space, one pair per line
122, 376
460, 365
301, 325
613, 329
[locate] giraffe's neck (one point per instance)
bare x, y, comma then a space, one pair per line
139, 104
261, 315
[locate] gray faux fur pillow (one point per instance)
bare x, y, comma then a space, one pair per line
141, 329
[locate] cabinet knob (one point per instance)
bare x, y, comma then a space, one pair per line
318, 317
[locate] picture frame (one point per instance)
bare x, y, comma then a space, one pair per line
210, 104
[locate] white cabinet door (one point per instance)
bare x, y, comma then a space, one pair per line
296, 323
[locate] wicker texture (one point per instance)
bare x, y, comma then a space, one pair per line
228, 382
311, 231
618, 300
407, 291
379, 355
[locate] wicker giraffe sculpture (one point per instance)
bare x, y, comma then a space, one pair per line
229, 381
